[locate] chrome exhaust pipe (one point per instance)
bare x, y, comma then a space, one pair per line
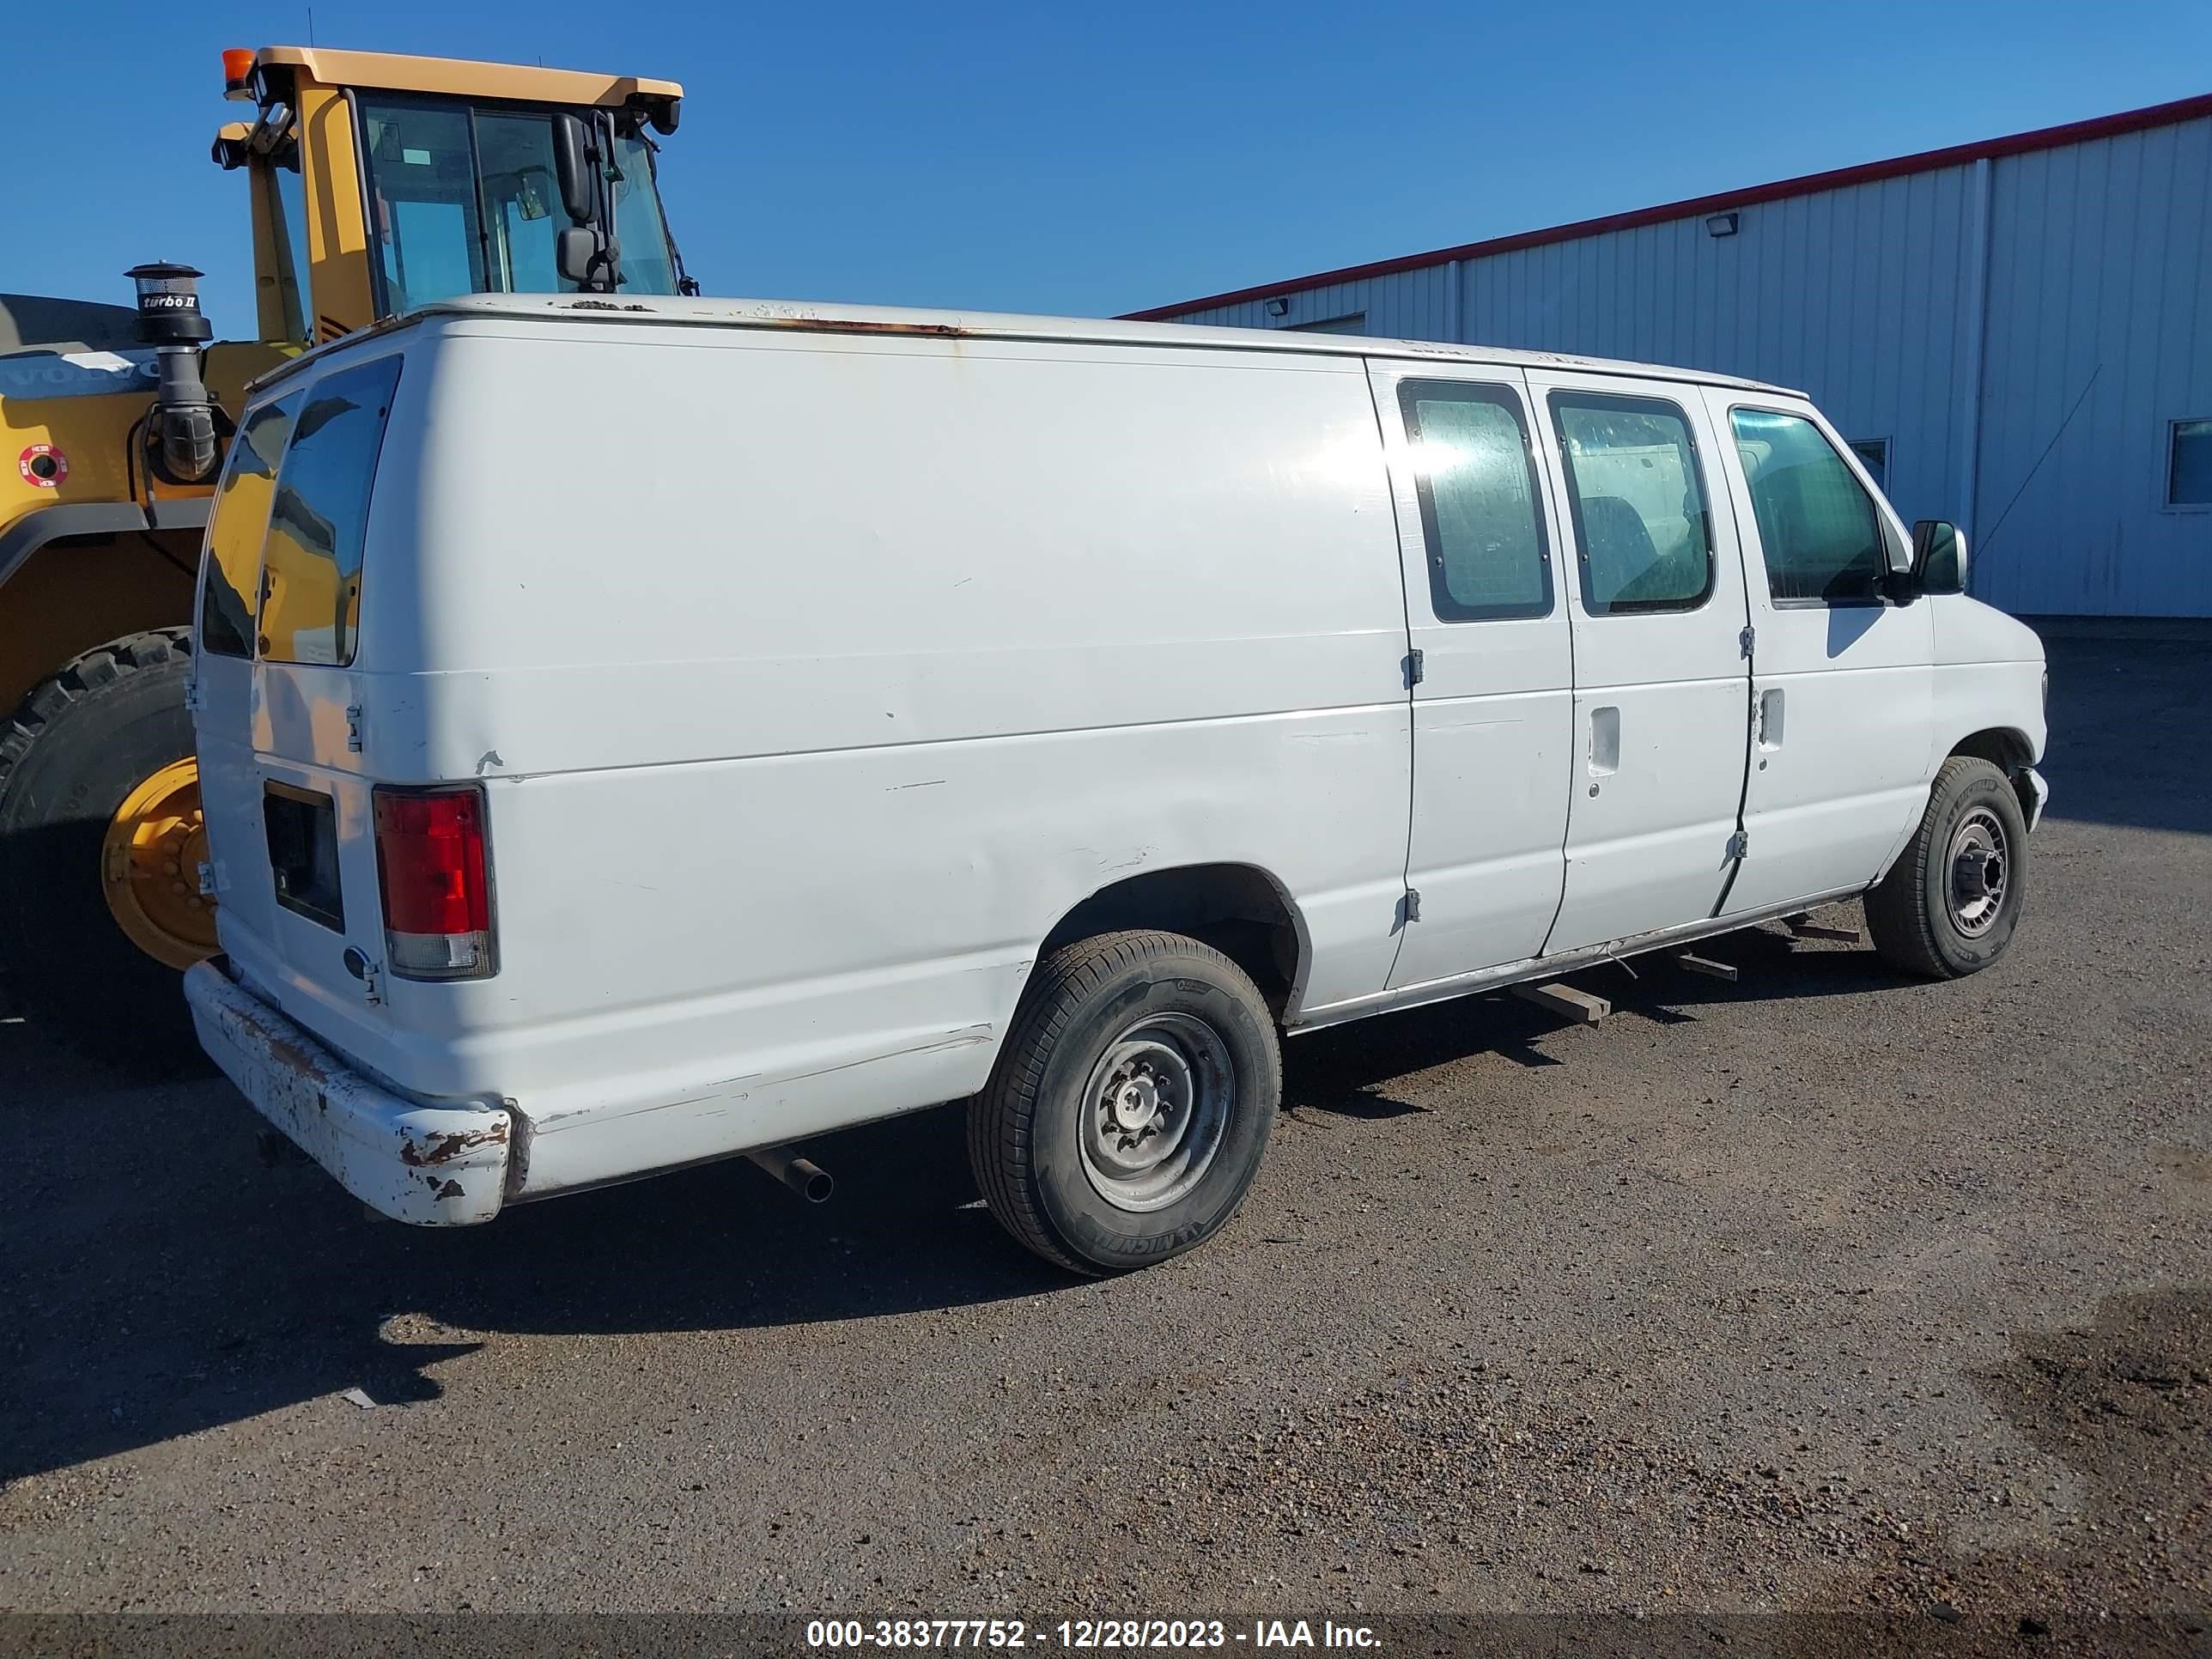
803, 1176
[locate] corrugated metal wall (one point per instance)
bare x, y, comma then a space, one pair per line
2098, 305
2100, 335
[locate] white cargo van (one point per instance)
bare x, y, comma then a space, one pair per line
638, 732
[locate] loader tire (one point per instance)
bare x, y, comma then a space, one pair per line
80, 746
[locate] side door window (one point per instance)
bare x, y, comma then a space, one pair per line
1641, 518
1818, 527
1487, 555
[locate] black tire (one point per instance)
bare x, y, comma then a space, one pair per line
1130, 995
1922, 914
78, 746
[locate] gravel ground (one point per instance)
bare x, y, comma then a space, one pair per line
1821, 1291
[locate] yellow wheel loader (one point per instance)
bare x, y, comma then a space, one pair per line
378, 183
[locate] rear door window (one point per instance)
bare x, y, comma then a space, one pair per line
229, 599
311, 571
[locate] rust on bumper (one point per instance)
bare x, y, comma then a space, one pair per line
434, 1166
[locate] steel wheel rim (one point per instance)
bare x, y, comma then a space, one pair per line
1980, 864
1155, 1110
149, 868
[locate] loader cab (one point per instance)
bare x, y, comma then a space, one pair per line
382, 183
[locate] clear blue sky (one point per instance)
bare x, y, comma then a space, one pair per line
1093, 158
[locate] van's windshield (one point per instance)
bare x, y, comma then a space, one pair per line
465, 200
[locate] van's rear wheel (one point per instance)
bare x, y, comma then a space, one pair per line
99, 833
1949, 904
1131, 1104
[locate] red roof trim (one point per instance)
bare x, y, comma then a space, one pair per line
2076, 132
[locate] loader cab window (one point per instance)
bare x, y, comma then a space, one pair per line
522, 196
279, 188
647, 267
292, 227
422, 202
464, 199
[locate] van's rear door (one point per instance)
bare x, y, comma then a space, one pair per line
292, 855
226, 689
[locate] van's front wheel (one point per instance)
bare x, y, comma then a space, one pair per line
1130, 1107
1949, 904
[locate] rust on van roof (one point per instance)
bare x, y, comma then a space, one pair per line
797, 316
822, 325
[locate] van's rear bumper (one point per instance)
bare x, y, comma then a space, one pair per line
436, 1166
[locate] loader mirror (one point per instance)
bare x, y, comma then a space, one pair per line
576, 252
572, 166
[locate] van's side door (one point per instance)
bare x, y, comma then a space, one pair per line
1842, 679
1662, 688
1492, 669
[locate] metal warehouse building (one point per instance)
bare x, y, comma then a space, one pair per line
2016, 335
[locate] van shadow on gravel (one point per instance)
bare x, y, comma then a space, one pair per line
156, 1280
1341, 1071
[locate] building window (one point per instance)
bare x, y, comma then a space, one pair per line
1873, 455
2189, 464
1355, 324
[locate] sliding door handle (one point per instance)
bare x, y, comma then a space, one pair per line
1771, 720
1604, 741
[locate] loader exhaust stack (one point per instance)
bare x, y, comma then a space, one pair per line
181, 444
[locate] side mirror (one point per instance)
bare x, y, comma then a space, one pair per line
1939, 557
572, 166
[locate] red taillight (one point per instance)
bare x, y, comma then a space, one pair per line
437, 886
